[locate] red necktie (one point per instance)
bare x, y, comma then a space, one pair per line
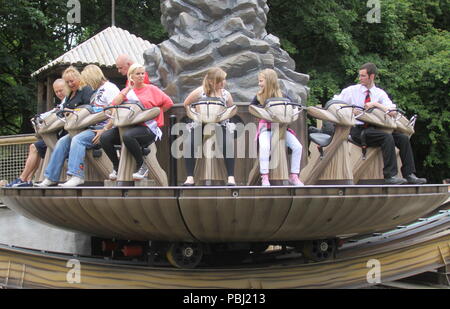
367, 100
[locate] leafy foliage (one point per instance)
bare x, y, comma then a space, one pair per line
27, 40
410, 45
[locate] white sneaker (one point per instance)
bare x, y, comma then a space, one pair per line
74, 181
46, 183
113, 175
231, 181
142, 173
295, 181
189, 181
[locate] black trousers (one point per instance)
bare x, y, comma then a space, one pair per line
388, 142
197, 143
134, 138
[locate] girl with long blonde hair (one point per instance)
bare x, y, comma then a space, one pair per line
213, 86
269, 88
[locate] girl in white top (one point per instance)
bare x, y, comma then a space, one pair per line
213, 86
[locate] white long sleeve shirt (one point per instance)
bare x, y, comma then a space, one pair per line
356, 95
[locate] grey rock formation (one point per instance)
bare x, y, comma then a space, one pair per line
230, 34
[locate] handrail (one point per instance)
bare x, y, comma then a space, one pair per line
17, 139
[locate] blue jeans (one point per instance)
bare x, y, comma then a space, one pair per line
72, 148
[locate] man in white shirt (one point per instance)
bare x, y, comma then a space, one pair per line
367, 95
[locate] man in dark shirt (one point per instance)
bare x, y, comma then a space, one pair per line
123, 63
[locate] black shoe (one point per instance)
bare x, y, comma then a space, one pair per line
413, 179
394, 181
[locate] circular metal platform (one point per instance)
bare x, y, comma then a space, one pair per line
226, 214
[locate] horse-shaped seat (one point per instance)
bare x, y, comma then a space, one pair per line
47, 126
368, 161
97, 166
280, 112
131, 113
210, 111
329, 162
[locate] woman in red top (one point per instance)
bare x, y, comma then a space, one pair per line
139, 135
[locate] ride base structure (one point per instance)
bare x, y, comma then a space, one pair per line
344, 228
223, 227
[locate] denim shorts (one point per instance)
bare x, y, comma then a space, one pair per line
41, 148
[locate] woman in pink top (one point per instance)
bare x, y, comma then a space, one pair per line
139, 135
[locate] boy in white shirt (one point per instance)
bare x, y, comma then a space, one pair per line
367, 95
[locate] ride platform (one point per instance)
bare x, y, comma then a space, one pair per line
226, 214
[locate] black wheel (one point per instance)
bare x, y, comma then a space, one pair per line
319, 250
184, 255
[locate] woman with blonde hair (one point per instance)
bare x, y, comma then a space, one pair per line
75, 148
142, 134
93, 76
78, 92
213, 86
269, 88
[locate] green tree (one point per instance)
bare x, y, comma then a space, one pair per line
420, 84
140, 17
329, 40
32, 33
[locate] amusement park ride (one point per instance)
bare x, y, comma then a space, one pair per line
157, 233
199, 226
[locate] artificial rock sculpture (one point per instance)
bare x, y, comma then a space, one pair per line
226, 33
